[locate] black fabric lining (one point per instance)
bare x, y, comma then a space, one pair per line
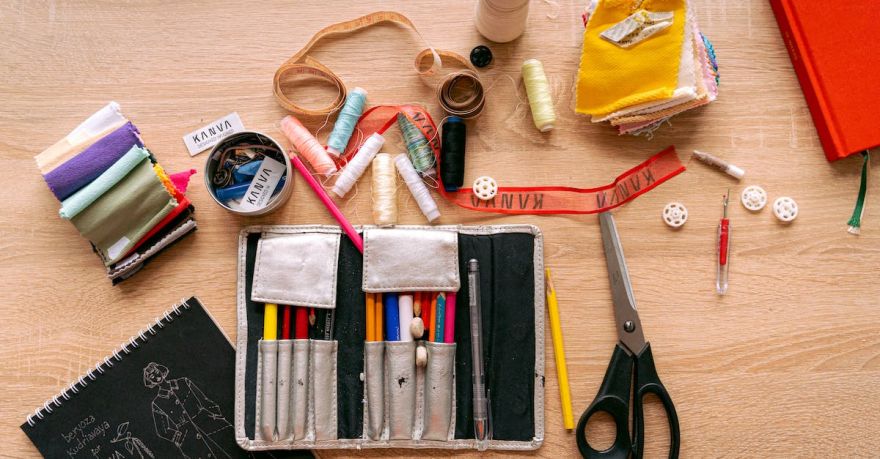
350, 332
507, 291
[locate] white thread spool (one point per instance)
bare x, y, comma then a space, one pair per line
417, 187
501, 20
358, 164
538, 90
384, 191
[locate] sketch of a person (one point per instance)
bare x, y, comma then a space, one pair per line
133, 445
184, 416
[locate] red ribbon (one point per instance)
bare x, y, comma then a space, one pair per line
536, 200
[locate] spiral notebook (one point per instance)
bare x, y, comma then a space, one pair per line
168, 392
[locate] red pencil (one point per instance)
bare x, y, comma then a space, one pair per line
302, 323
285, 323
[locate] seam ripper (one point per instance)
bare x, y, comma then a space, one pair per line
723, 249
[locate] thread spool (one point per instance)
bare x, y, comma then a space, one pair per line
452, 148
307, 145
417, 147
348, 117
501, 20
538, 90
358, 164
384, 190
417, 187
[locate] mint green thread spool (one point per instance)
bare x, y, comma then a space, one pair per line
345, 123
417, 147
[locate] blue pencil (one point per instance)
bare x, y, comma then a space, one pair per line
392, 317
441, 318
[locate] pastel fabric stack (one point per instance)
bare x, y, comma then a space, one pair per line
115, 193
643, 62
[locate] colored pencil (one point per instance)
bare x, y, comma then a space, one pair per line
270, 322
392, 320
449, 323
441, 318
433, 317
559, 353
380, 318
301, 323
328, 203
371, 317
285, 323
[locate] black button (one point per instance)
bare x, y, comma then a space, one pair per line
481, 56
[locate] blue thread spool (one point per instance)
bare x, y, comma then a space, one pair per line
348, 117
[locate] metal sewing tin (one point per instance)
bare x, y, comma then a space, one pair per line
212, 163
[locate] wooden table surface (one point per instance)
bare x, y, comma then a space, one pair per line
785, 365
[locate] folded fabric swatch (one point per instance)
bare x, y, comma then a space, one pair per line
183, 204
63, 151
99, 124
133, 263
611, 77
77, 202
181, 179
118, 219
76, 173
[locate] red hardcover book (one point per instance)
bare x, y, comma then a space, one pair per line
833, 48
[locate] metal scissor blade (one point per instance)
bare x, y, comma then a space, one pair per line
629, 328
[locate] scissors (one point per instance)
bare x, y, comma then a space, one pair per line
631, 370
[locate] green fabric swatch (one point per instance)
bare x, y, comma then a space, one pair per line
80, 200
117, 220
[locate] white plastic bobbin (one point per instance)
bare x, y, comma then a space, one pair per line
675, 214
754, 198
485, 188
785, 209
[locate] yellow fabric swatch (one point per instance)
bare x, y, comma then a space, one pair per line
611, 77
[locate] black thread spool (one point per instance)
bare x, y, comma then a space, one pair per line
452, 153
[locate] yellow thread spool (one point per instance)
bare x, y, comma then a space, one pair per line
538, 90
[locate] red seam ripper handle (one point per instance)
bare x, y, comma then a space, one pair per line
723, 238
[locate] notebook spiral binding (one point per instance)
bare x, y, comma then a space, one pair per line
133, 343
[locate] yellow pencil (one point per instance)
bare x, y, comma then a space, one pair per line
270, 322
371, 317
559, 352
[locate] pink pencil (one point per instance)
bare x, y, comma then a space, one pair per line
328, 203
449, 322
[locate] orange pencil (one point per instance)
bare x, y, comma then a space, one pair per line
380, 326
371, 317
433, 315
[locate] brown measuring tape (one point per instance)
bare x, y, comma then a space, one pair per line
466, 81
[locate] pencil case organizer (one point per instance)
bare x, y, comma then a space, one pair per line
337, 390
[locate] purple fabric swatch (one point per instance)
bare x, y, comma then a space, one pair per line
80, 170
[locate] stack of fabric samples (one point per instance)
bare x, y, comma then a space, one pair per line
115, 193
643, 62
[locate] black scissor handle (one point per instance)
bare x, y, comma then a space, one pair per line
647, 382
613, 398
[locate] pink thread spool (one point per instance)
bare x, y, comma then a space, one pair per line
307, 146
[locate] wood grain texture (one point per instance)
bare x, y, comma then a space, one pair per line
783, 366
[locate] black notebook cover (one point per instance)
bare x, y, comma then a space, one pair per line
167, 393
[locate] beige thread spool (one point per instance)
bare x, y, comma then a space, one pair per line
384, 190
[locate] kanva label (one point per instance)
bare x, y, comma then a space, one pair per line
208, 136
